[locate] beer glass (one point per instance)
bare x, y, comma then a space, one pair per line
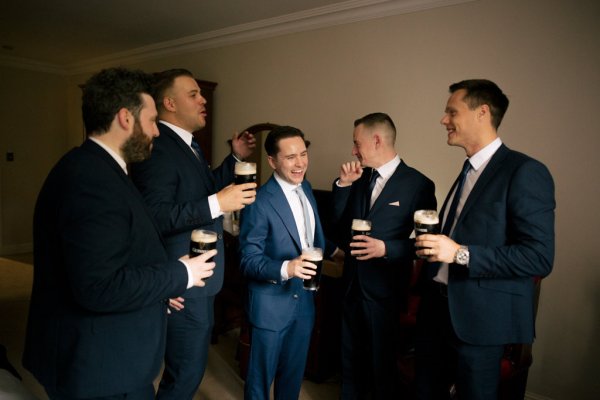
426, 221
244, 172
313, 255
202, 241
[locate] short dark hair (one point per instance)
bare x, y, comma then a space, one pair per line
378, 118
106, 92
164, 80
278, 133
483, 91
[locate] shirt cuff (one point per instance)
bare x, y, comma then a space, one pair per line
190, 275
213, 204
284, 274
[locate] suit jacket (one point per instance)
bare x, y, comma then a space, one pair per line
391, 216
176, 186
97, 318
268, 236
508, 224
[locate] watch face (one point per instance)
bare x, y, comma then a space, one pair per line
462, 256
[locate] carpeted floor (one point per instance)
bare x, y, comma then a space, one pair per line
221, 381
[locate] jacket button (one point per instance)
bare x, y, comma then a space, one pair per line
295, 296
219, 236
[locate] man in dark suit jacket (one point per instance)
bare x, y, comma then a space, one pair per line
272, 237
480, 283
98, 309
184, 194
377, 267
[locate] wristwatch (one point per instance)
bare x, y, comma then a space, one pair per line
461, 257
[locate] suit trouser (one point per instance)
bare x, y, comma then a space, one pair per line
442, 359
146, 393
369, 344
278, 356
188, 337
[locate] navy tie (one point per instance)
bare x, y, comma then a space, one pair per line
197, 149
369, 193
452, 211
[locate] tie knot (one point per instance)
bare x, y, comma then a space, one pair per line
466, 167
374, 175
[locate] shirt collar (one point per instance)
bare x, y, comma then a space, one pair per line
182, 133
112, 153
387, 169
482, 156
285, 185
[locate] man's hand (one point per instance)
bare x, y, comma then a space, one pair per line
437, 248
243, 145
301, 269
236, 197
200, 268
176, 304
366, 247
350, 172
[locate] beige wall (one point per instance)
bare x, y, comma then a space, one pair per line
544, 54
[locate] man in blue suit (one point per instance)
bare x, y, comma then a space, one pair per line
272, 235
98, 312
377, 271
496, 237
184, 194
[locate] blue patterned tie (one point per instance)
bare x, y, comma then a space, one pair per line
452, 211
307, 225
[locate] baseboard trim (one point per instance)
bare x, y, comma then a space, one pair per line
16, 249
535, 396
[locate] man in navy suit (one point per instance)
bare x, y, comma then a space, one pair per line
98, 312
377, 267
273, 233
497, 236
184, 194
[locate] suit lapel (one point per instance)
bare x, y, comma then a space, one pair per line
387, 190
206, 176
283, 210
486, 177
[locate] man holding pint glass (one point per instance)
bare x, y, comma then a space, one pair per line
381, 189
281, 247
497, 234
184, 194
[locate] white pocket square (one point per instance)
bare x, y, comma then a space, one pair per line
395, 203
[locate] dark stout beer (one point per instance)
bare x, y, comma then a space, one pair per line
426, 221
313, 255
202, 241
361, 227
245, 172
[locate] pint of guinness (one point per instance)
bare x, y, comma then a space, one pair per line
245, 172
202, 241
313, 255
426, 221
361, 227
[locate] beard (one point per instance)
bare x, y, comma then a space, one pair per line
138, 146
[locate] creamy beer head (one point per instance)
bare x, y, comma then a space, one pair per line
426, 217
361, 225
244, 172
202, 236
312, 254
245, 168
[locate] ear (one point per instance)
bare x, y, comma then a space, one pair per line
168, 104
483, 111
124, 118
271, 161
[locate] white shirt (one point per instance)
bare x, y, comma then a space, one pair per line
385, 173
213, 203
294, 202
478, 163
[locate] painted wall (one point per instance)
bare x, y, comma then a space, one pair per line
544, 54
